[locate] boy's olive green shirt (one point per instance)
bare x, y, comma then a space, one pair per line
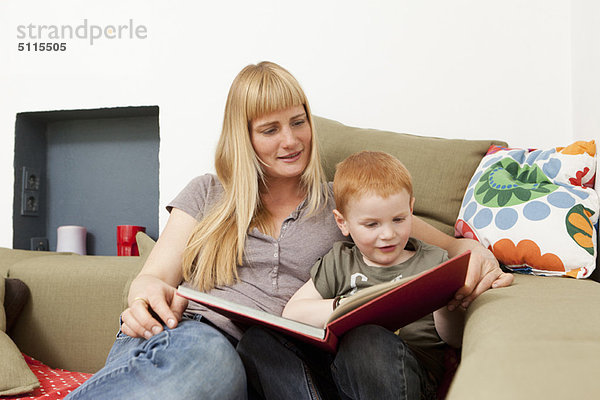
343, 271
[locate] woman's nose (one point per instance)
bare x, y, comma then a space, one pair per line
289, 138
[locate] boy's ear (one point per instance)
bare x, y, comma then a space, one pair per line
412, 204
341, 222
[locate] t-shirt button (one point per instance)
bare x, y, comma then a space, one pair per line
275, 255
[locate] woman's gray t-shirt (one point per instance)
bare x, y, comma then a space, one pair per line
273, 268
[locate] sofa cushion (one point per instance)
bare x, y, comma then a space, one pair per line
15, 298
535, 209
441, 168
55, 383
145, 244
15, 375
2, 312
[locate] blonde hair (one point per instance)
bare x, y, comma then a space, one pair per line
216, 246
369, 172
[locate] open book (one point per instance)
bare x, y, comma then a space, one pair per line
391, 305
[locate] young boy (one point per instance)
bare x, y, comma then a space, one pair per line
374, 206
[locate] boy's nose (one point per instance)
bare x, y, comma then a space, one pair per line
387, 232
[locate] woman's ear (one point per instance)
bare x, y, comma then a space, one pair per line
341, 222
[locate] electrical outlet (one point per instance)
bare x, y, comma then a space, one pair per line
30, 192
38, 243
30, 203
31, 178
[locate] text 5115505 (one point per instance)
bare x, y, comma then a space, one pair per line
37, 46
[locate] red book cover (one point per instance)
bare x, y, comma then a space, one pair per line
391, 305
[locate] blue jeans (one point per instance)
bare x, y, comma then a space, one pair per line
371, 363
192, 361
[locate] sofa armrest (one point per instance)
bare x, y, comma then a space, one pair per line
72, 316
537, 339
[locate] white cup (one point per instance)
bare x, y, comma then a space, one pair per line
71, 238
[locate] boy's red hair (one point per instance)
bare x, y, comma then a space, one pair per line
369, 172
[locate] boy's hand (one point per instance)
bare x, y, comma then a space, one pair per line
307, 306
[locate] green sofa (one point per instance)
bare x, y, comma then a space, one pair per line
538, 339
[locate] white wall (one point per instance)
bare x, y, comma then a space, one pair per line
507, 69
586, 68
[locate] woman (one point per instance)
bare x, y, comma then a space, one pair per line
268, 210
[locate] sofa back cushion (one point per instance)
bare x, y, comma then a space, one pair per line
440, 168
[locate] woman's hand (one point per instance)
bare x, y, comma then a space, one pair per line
154, 287
484, 272
149, 292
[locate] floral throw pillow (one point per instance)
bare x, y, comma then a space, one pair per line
536, 210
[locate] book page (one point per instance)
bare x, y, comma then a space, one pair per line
365, 295
242, 313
